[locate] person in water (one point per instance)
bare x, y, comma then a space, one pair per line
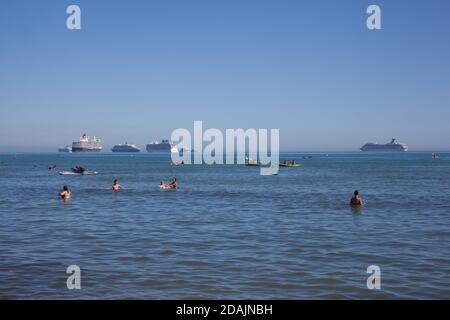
78, 169
356, 199
65, 194
116, 186
173, 184
164, 185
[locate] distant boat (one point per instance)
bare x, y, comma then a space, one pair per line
251, 162
86, 144
289, 165
163, 146
387, 147
126, 147
65, 149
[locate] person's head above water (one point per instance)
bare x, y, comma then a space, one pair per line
115, 181
65, 188
356, 193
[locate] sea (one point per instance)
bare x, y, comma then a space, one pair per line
227, 232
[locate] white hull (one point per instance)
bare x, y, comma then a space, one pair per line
126, 148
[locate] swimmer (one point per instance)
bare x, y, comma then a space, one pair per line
173, 184
65, 194
78, 169
356, 199
116, 186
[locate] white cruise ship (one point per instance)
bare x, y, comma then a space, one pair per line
86, 144
126, 147
163, 146
387, 147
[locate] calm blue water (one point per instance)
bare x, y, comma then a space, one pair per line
227, 232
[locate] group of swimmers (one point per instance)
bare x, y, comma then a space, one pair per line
171, 185
355, 201
65, 193
292, 162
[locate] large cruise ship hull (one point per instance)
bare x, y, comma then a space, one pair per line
125, 150
158, 148
85, 150
382, 150
161, 148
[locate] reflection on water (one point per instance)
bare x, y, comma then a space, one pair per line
227, 232
356, 209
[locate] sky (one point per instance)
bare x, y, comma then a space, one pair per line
137, 70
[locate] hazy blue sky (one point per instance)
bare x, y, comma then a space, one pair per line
139, 69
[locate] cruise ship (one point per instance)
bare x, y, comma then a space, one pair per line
388, 147
163, 146
86, 144
65, 149
126, 147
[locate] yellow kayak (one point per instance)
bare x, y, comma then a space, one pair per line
288, 165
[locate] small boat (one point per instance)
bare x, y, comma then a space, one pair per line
71, 173
77, 171
178, 163
288, 165
251, 162
65, 149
